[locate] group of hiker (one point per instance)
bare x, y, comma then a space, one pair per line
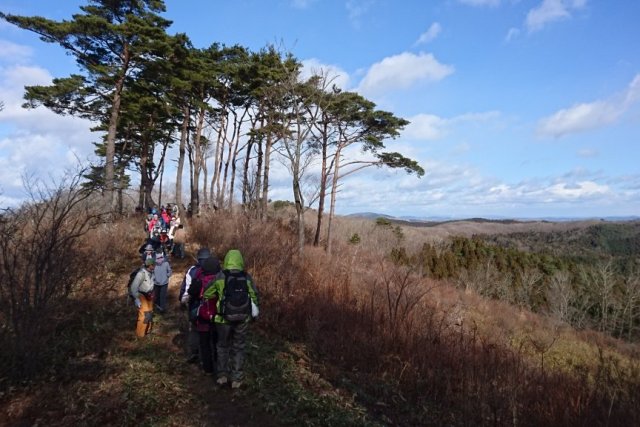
165, 230
220, 302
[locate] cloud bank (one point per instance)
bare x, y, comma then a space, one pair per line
590, 115
403, 71
550, 11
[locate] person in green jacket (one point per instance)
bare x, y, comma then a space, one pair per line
237, 305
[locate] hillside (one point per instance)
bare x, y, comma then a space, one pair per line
327, 349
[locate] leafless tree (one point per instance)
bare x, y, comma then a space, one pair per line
530, 280
560, 296
40, 262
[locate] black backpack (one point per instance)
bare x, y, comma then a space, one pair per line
236, 302
132, 276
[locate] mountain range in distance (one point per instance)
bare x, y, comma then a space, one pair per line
374, 215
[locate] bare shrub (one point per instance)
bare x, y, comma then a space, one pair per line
41, 264
375, 323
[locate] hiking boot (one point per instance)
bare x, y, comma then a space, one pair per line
236, 384
222, 381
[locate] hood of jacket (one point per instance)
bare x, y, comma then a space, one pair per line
233, 260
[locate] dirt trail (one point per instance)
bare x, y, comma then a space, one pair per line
112, 378
222, 406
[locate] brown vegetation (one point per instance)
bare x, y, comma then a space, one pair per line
411, 350
420, 346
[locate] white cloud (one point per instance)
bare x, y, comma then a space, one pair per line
584, 189
357, 9
425, 127
431, 127
429, 35
402, 71
579, 118
591, 115
36, 141
480, 2
461, 190
512, 34
14, 52
550, 11
633, 91
338, 76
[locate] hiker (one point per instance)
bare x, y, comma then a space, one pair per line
147, 250
193, 338
237, 305
162, 273
147, 220
142, 293
153, 224
176, 234
166, 217
165, 242
203, 316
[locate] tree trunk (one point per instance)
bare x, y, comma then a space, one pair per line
257, 190
323, 192
197, 164
160, 185
184, 134
332, 205
299, 202
265, 182
141, 199
218, 163
235, 150
225, 175
146, 183
247, 196
205, 177
109, 167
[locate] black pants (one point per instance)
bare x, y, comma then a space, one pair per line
208, 349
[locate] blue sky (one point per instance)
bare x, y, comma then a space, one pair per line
518, 108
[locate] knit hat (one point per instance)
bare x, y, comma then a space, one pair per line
203, 253
149, 261
211, 265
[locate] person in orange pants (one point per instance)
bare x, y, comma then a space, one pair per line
142, 293
145, 316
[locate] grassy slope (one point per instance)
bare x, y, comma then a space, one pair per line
116, 379
112, 378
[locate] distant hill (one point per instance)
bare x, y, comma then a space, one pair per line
369, 215
430, 220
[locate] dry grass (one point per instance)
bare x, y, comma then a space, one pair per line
379, 337
434, 354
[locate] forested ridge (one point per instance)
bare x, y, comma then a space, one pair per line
589, 277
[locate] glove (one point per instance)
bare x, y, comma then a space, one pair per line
137, 302
255, 311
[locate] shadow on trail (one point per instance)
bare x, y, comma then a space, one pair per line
101, 374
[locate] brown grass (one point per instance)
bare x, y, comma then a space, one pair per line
430, 352
413, 351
